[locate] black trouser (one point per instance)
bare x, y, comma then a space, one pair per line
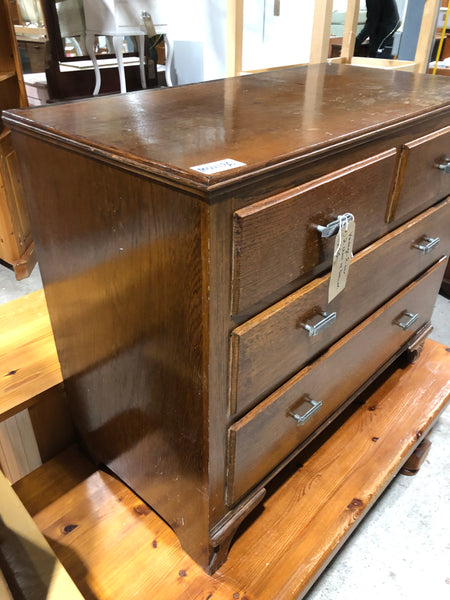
385, 49
385, 43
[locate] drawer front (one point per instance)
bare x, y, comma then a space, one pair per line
268, 433
276, 241
271, 347
420, 182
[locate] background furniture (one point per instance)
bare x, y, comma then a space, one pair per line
202, 293
73, 76
16, 245
31, 34
34, 422
72, 23
32, 50
119, 18
106, 18
338, 21
423, 40
321, 37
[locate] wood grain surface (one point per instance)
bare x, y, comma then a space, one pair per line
32, 570
29, 363
420, 181
316, 107
115, 547
271, 347
136, 252
275, 241
268, 433
15, 234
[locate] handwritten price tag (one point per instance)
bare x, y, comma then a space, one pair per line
343, 254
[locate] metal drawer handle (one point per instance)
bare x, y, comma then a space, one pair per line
427, 244
315, 406
328, 319
406, 319
443, 164
329, 230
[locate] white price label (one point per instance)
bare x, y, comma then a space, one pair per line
218, 166
343, 254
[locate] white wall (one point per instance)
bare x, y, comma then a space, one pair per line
273, 41
198, 31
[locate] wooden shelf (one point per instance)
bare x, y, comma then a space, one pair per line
7, 75
114, 546
28, 356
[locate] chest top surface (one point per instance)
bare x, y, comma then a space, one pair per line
259, 120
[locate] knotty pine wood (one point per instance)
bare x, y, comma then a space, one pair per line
19, 453
115, 547
10, 59
321, 31
5, 592
27, 353
31, 569
427, 35
16, 247
52, 425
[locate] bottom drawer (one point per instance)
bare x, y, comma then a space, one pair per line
272, 430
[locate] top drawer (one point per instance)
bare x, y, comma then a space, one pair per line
276, 241
422, 177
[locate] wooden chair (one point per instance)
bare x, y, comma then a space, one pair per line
117, 19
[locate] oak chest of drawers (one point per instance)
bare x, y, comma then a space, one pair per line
190, 305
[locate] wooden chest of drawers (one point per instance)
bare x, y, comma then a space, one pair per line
190, 306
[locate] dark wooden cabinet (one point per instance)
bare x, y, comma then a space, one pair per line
190, 308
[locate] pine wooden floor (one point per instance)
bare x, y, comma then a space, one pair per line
115, 547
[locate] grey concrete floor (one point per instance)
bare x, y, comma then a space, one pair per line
10, 288
401, 550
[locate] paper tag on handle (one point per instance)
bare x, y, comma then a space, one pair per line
343, 254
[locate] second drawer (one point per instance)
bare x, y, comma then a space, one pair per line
269, 433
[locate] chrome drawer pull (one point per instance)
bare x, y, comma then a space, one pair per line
443, 164
315, 406
329, 230
328, 319
428, 244
406, 319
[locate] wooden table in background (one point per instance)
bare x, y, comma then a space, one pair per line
115, 547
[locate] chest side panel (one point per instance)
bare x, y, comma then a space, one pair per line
125, 282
